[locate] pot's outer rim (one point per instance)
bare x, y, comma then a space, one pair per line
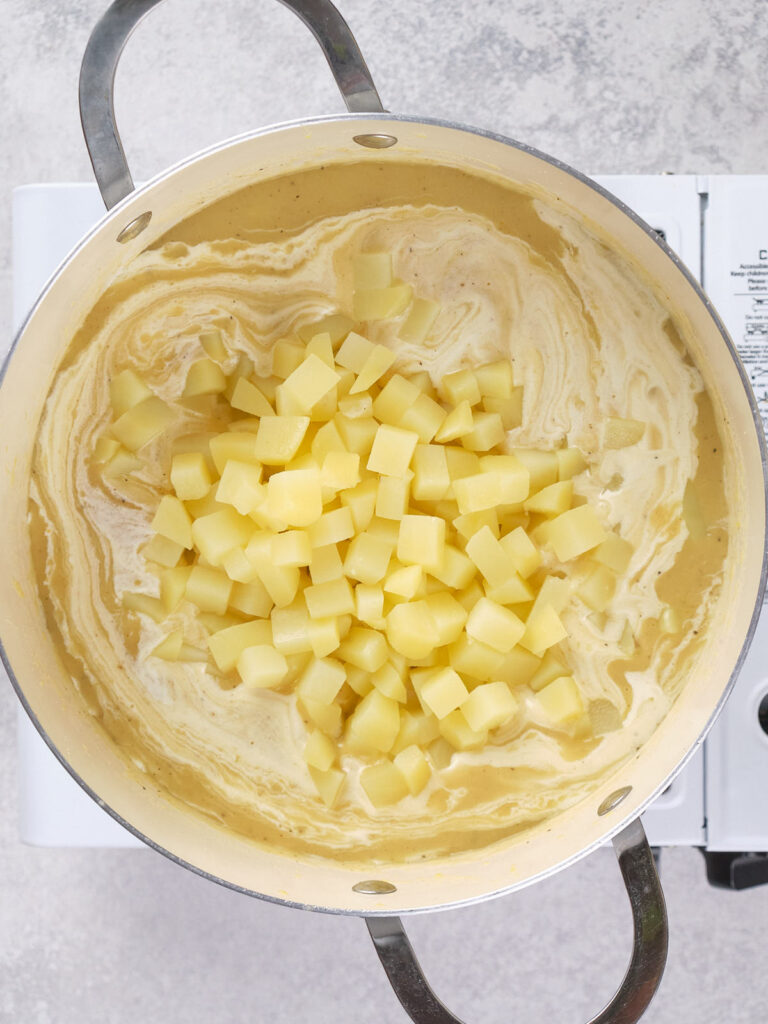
145, 190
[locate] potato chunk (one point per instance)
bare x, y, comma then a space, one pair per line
383, 783
414, 767
278, 438
392, 450
494, 625
489, 706
262, 667
374, 724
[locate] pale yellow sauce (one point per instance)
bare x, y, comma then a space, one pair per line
587, 339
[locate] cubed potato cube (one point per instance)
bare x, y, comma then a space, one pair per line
295, 496
372, 270
431, 480
291, 548
323, 635
327, 717
669, 620
375, 366
381, 303
460, 386
470, 595
461, 463
247, 397
542, 630
374, 724
241, 486
620, 433
392, 496
509, 409
328, 784
238, 566
449, 615
392, 450
262, 667
404, 582
356, 406
127, 389
321, 680
336, 325
458, 423
489, 706
326, 564
495, 379
216, 534
173, 583
554, 591
514, 590
226, 645
424, 418
357, 434
169, 647
190, 476
104, 449
364, 648
240, 447
441, 752
443, 692
456, 569
367, 558
421, 541
319, 751
457, 731
414, 767
384, 784
394, 400
327, 439
142, 422
477, 493
552, 500
416, 728
550, 667
418, 323
331, 528
514, 478
597, 589
340, 470
494, 625
172, 520
412, 630
209, 589
541, 465
290, 628
309, 383
163, 551
574, 532
561, 700
493, 561
213, 345
518, 667
354, 352
474, 658
144, 604
471, 523
525, 556
335, 597
190, 653
570, 462
122, 464
487, 432
614, 552
251, 598
388, 682
204, 377
287, 354
278, 438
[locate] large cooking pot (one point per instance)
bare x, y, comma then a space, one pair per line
136, 218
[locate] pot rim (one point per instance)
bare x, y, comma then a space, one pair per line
620, 822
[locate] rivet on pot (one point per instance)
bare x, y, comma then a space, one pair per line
375, 140
613, 800
135, 227
374, 887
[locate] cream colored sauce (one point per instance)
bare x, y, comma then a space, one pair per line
587, 340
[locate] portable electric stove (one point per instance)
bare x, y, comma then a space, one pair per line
719, 802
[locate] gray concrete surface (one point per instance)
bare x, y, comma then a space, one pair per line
116, 937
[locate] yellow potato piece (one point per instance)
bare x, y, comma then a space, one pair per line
173, 583
241, 486
209, 589
389, 683
421, 541
412, 630
145, 605
335, 597
473, 658
384, 784
392, 450
395, 399
598, 588
460, 735
239, 446
543, 629
510, 410
248, 398
340, 470
405, 581
295, 496
261, 667
460, 386
127, 389
332, 528
319, 751
419, 321
372, 270
226, 645
169, 648
278, 438
414, 767
381, 303
251, 598
487, 432
375, 366
204, 378
328, 784
620, 433
552, 500
489, 706
323, 634
216, 534
213, 344
570, 462
142, 422
326, 564
190, 476
336, 325
561, 700
172, 520
364, 648
574, 532
367, 558
163, 551
309, 383
525, 556
374, 724
495, 379
458, 423
494, 625
321, 680
291, 548
443, 692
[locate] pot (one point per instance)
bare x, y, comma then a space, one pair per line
135, 219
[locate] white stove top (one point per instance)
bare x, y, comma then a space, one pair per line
719, 227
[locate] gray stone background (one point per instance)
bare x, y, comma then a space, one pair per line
121, 936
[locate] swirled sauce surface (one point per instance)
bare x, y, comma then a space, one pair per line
587, 339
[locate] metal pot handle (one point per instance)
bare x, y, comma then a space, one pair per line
102, 54
643, 975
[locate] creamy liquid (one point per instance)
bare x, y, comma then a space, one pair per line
587, 339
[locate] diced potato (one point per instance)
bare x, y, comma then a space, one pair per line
461, 463
238, 566
509, 409
248, 398
469, 596
518, 667
240, 447
449, 615
441, 751
551, 667
226, 645
145, 605
692, 513
416, 727
374, 724
375, 366
291, 548
474, 658
514, 477
290, 628
287, 354
412, 630
443, 692
309, 383
487, 432
169, 647
335, 597
172, 520
336, 325
570, 462
278, 438
327, 439
419, 321
384, 784
319, 751
163, 551
354, 352
388, 682
327, 717
243, 368
262, 667
494, 625
369, 604
552, 500
489, 706
191, 653
372, 270
385, 529
295, 496
127, 389
614, 552
326, 564
251, 598
204, 378
105, 449
216, 534
340, 470
458, 732
414, 767
598, 588
460, 386
554, 591
495, 379
367, 558
424, 418
542, 630
328, 784
431, 478
493, 561
323, 636
381, 303
458, 423
456, 570
364, 648
331, 528
213, 344
404, 582
321, 345
392, 496
173, 583
620, 433
209, 589
514, 590
542, 467
394, 400
574, 532
477, 493
561, 700
392, 450
525, 556
280, 581
241, 486
421, 541
357, 434
356, 406
142, 422
190, 476
669, 620
321, 680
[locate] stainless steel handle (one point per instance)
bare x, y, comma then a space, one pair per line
102, 54
649, 953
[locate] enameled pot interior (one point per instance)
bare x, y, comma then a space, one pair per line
46, 688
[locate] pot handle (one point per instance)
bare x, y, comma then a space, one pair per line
643, 975
102, 54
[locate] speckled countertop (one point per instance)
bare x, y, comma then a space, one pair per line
119, 936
